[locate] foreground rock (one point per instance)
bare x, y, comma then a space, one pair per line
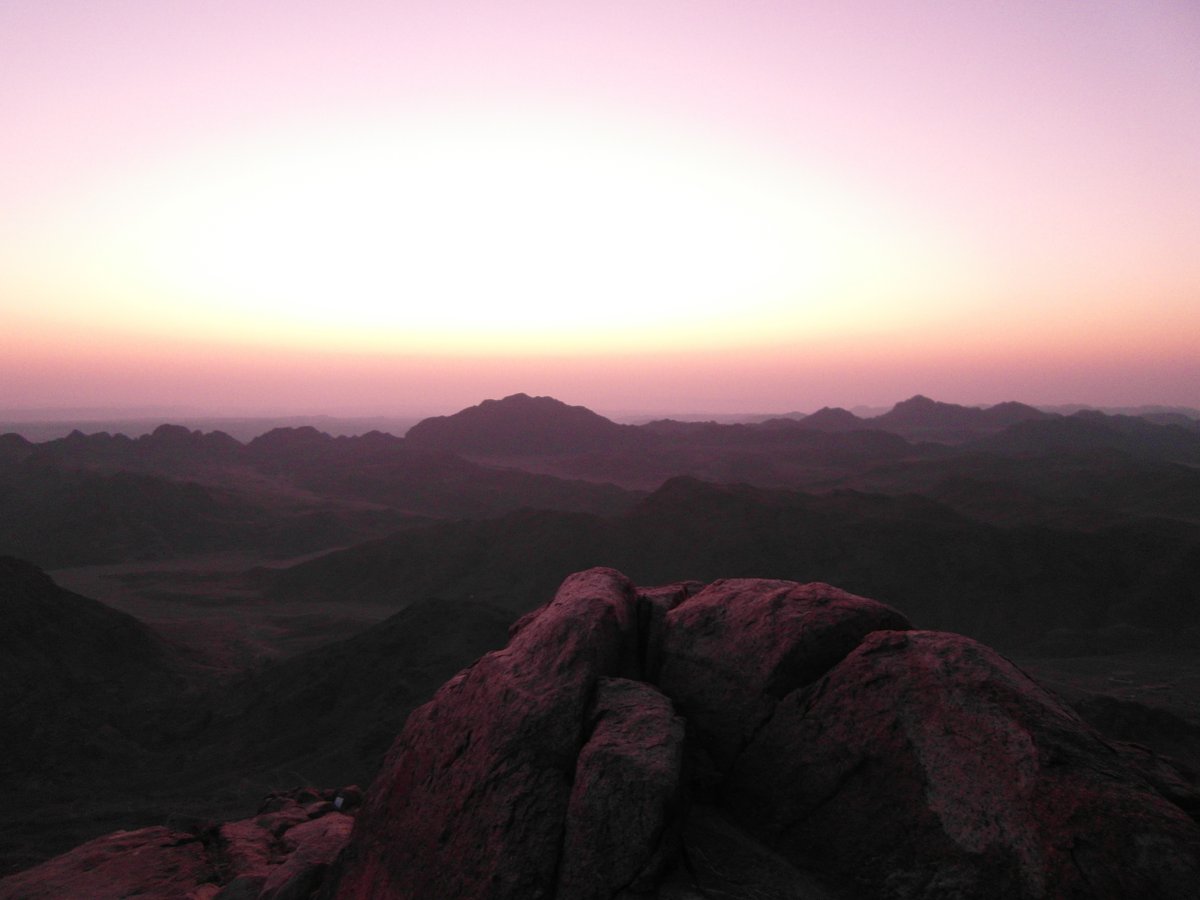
150, 862
926, 765
283, 853
829, 752
623, 815
754, 739
476, 788
733, 651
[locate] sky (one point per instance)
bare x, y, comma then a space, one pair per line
405, 208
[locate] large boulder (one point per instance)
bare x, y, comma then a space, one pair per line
847, 756
472, 798
624, 811
926, 765
733, 650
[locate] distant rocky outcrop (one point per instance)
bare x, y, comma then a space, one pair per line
921, 418
751, 739
833, 418
520, 425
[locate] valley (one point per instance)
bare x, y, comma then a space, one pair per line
295, 596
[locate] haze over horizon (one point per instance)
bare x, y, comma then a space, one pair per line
403, 209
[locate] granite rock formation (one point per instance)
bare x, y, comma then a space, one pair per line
283, 853
827, 750
748, 739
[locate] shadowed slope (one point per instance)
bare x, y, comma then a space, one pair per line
1011, 585
330, 714
76, 677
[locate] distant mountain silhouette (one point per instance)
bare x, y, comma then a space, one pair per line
1089, 431
14, 448
280, 444
924, 419
103, 498
1047, 535
522, 425
100, 498
1010, 412
832, 418
383, 469
545, 435
1167, 418
1010, 585
1080, 489
168, 450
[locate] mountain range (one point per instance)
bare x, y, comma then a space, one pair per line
1060, 538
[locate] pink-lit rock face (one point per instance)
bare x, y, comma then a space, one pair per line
283, 853
154, 863
854, 758
733, 650
927, 765
624, 809
310, 849
472, 798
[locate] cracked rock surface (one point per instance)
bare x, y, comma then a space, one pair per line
283, 853
755, 739
749, 740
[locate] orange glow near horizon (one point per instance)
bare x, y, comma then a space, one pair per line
748, 207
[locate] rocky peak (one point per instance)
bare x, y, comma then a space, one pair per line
832, 418
520, 424
755, 738
752, 738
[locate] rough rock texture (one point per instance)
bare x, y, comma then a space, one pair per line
150, 862
283, 853
926, 765
761, 740
472, 798
623, 815
737, 647
829, 752
311, 849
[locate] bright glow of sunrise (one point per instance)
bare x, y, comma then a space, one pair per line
492, 235
986, 199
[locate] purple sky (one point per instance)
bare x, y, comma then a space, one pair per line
401, 207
